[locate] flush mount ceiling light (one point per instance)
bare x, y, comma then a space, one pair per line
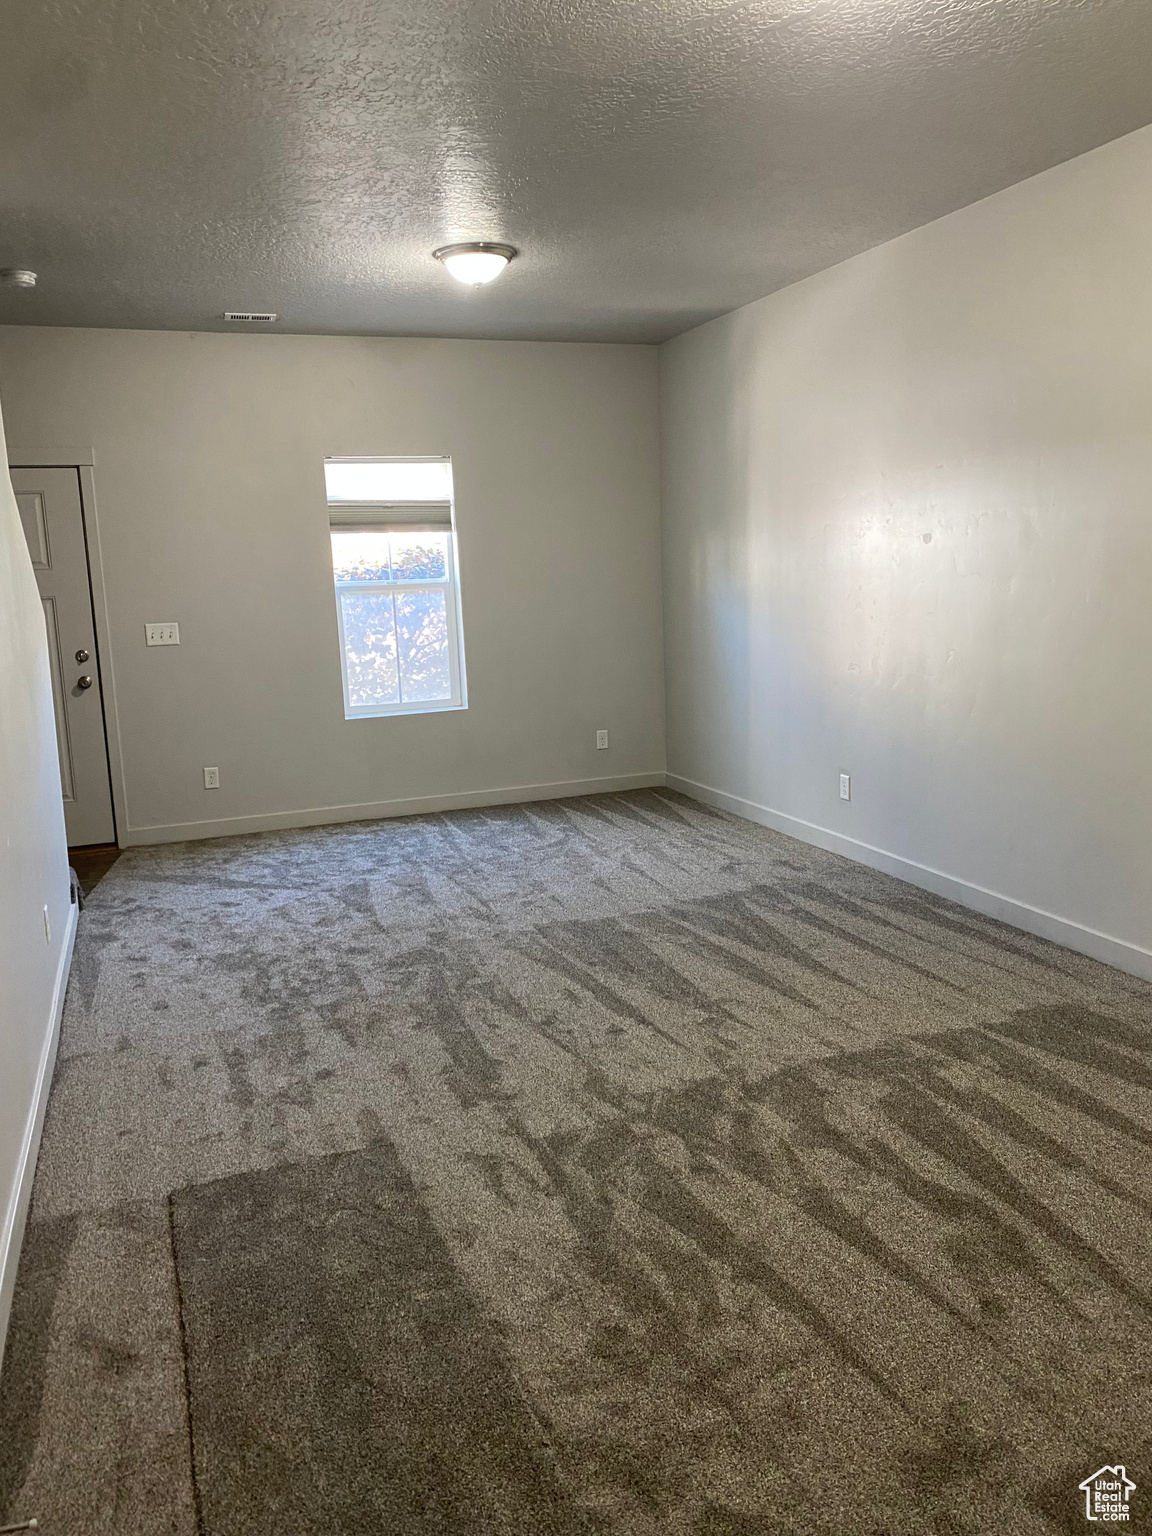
475, 261
17, 277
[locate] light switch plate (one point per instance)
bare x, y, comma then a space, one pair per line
162, 634
845, 786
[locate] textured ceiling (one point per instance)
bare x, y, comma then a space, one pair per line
656, 161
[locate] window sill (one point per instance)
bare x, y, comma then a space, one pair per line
403, 714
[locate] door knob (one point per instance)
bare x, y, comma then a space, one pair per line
81, 656
84, 682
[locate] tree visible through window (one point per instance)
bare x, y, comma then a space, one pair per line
394, 565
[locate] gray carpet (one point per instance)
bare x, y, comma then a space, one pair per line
603, 1165
322, 1293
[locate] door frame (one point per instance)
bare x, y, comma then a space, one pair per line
83, 461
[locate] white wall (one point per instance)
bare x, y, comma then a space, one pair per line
33, 875
908, 535
209, 477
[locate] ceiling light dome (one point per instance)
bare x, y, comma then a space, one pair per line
475, 261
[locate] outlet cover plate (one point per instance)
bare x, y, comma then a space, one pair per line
601, 741
845, 786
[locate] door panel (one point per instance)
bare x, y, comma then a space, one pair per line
31, 504
63, 745
53, 520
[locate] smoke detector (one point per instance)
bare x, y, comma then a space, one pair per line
261, 317
17, 277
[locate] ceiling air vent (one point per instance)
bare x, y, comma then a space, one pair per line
249, 314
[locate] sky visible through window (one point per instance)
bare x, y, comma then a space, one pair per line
371, 555
396, 648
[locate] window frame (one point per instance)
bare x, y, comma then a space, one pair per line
402, 517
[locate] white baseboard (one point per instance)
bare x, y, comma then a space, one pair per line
12, 1232
326, 815
1046, 925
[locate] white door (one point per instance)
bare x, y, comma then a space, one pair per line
53, 519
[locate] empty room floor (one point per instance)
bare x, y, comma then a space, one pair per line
605, 1165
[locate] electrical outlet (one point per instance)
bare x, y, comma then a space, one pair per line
845, 786
601, 741
211, 778
47, 927
162, 634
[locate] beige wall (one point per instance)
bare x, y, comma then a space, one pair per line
33, 875
908, 535
209, 480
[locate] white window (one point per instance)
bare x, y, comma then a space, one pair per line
397, 597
